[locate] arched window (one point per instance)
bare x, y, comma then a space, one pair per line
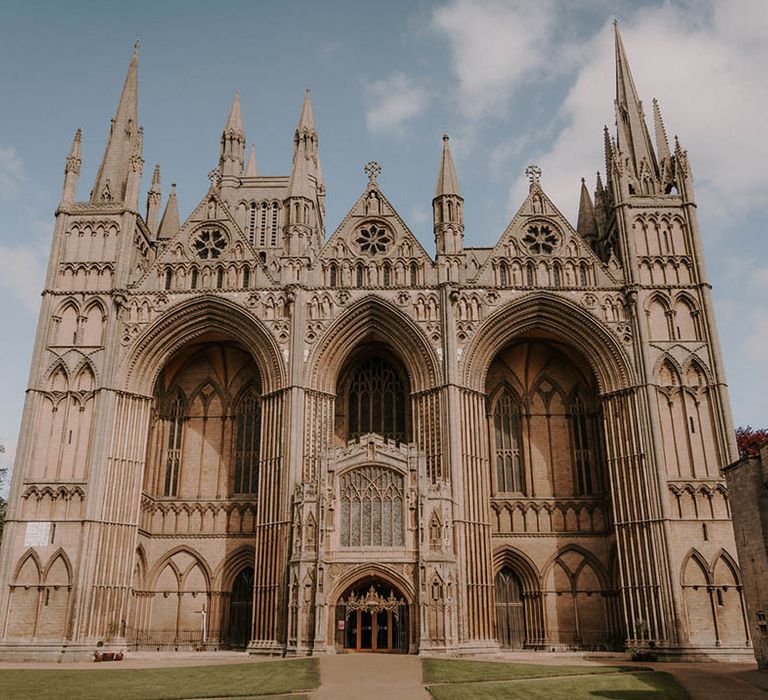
275, 214
359, 275
168, 278
247, 434
530, 277
372, 508
246, 277
414, 275
503, 274
193, 281
219, 277
263, 225
582, 445
506, 430
252, 223
387, 276
334, 275
583, 275
173, 447
558, 276
377, 401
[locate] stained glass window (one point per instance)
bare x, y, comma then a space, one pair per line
377, 400
173, 448
372, 508
506, 428
246, 457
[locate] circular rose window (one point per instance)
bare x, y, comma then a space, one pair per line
373, 239
541, 239
209, 243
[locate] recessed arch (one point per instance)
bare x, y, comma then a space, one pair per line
544, 315
372, 320
193, 320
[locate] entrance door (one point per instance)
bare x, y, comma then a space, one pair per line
510, 618
370, 620
241, 610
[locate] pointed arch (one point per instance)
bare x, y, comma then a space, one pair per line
58, 570
190, 320
372, 320
29, 569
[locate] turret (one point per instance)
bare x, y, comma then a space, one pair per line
170, 222
448, 207
232, 154
154, 196
112, 178
72, 171
302, 217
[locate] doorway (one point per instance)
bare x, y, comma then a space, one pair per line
372, 617
241, 610
510, 617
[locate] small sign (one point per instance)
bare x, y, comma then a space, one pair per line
340, 625
38, 534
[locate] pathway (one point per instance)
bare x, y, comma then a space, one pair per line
370, 676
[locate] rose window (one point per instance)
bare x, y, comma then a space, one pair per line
209, 243
540, 239
373, 239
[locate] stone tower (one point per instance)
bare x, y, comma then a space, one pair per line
245, 433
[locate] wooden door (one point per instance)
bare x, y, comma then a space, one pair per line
510, 614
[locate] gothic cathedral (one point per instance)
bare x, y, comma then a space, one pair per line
241, 433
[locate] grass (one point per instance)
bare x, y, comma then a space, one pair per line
460, 671
269, 678
485, 680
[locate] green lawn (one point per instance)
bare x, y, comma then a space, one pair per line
486, 680
268, 678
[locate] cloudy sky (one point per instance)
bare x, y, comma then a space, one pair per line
512, 81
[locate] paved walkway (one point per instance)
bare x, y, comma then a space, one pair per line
370, 677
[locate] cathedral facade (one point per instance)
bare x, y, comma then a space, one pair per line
243, 433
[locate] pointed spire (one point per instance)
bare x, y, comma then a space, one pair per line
305, 172
662, 143
307, 116
170, 222
232, 153
250, 169
154, 196
586, 224
447, 179
633, 136
112, 177
72, 170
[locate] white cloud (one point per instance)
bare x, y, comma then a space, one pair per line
11, 173
495, 45
22, 273
393, 102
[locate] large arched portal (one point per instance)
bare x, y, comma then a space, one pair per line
372, 616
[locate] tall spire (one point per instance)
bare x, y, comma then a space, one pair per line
448, 211
232, 154
250, 168
112, 177
586, 224
170, 222
305, 178
633, 137
154, 196
72, 170
662, 143
447, 180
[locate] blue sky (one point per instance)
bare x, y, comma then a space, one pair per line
512, 82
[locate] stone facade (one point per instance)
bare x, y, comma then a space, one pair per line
747, 482
241, 432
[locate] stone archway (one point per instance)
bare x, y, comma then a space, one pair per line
372, 615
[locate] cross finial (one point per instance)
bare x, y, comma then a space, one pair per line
214, 176
373, 170
533, 172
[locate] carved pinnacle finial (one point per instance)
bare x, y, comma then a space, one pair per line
533, 172
373, 170
214, 176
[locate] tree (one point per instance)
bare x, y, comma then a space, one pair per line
749, 440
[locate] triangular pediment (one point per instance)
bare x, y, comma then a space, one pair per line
539, 247
209, 239
372, 230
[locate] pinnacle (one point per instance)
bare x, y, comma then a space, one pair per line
250, 168
235, 118
156, 179
307, 116
170, 222
447, 179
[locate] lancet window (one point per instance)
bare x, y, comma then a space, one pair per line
582, 445
247, 439
173, 447
377, 400
506, 432
372, 508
